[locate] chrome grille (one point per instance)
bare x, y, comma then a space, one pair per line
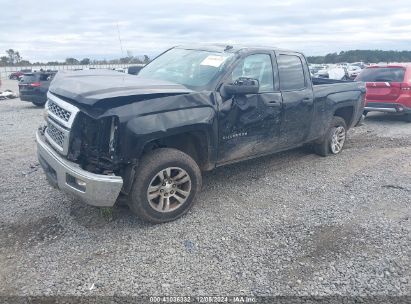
55, 134
61, 116
58, 111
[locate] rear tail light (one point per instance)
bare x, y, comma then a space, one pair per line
35, 84
405, 86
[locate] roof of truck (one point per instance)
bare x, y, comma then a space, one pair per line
231, 48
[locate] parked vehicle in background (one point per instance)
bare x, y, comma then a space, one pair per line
343, 64
121, 70
360, 64
321, 73
388, 89
333, 72
33, 87
18, 74
192, 109
353, 71
338, 73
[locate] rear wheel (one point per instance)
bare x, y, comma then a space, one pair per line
408, 117
334, 139
165, 186
38, 104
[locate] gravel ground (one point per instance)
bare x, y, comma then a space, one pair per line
289, 224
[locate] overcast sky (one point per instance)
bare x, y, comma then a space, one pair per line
54, 30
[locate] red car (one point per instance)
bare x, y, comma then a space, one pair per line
17, 75
388, 89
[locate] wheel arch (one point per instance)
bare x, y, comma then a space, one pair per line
195, 143
346, 113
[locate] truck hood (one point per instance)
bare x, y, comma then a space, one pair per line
90, 86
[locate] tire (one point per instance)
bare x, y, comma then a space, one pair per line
184, 181
336, 131
365, 113
38, 104
408, 117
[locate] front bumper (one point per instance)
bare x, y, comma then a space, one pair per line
93, 189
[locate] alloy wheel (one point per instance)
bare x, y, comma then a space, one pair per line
169, 189
338, 139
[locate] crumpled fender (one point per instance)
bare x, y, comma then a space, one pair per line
145, 121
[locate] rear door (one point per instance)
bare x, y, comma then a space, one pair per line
383, 83
297, 94
250, 124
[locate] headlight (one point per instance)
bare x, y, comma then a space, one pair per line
112, 141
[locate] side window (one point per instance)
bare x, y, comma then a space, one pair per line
291, 72
256, 66
43, 77
46, 77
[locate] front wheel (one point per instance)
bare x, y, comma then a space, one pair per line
165, 186
334, 139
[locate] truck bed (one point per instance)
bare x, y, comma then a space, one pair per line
319, 81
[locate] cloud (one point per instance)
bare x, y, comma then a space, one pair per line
50, 30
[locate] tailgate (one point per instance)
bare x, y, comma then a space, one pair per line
25, 87
383, 91
27, 81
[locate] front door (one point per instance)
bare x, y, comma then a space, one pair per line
250, 124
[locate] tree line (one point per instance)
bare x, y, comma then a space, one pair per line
14, 58
369, 56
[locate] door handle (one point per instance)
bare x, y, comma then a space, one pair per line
307, 100
274, 102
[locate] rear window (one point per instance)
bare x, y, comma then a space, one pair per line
382, 75
29, 78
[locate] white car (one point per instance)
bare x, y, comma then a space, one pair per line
121, 70
353, 71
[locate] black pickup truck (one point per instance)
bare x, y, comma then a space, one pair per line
147, 138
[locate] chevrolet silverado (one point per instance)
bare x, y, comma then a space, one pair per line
147, 138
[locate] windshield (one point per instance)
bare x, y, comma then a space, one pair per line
382, 74
194, 69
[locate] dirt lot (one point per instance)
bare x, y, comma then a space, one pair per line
288, 224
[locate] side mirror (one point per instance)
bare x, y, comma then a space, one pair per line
241, 86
